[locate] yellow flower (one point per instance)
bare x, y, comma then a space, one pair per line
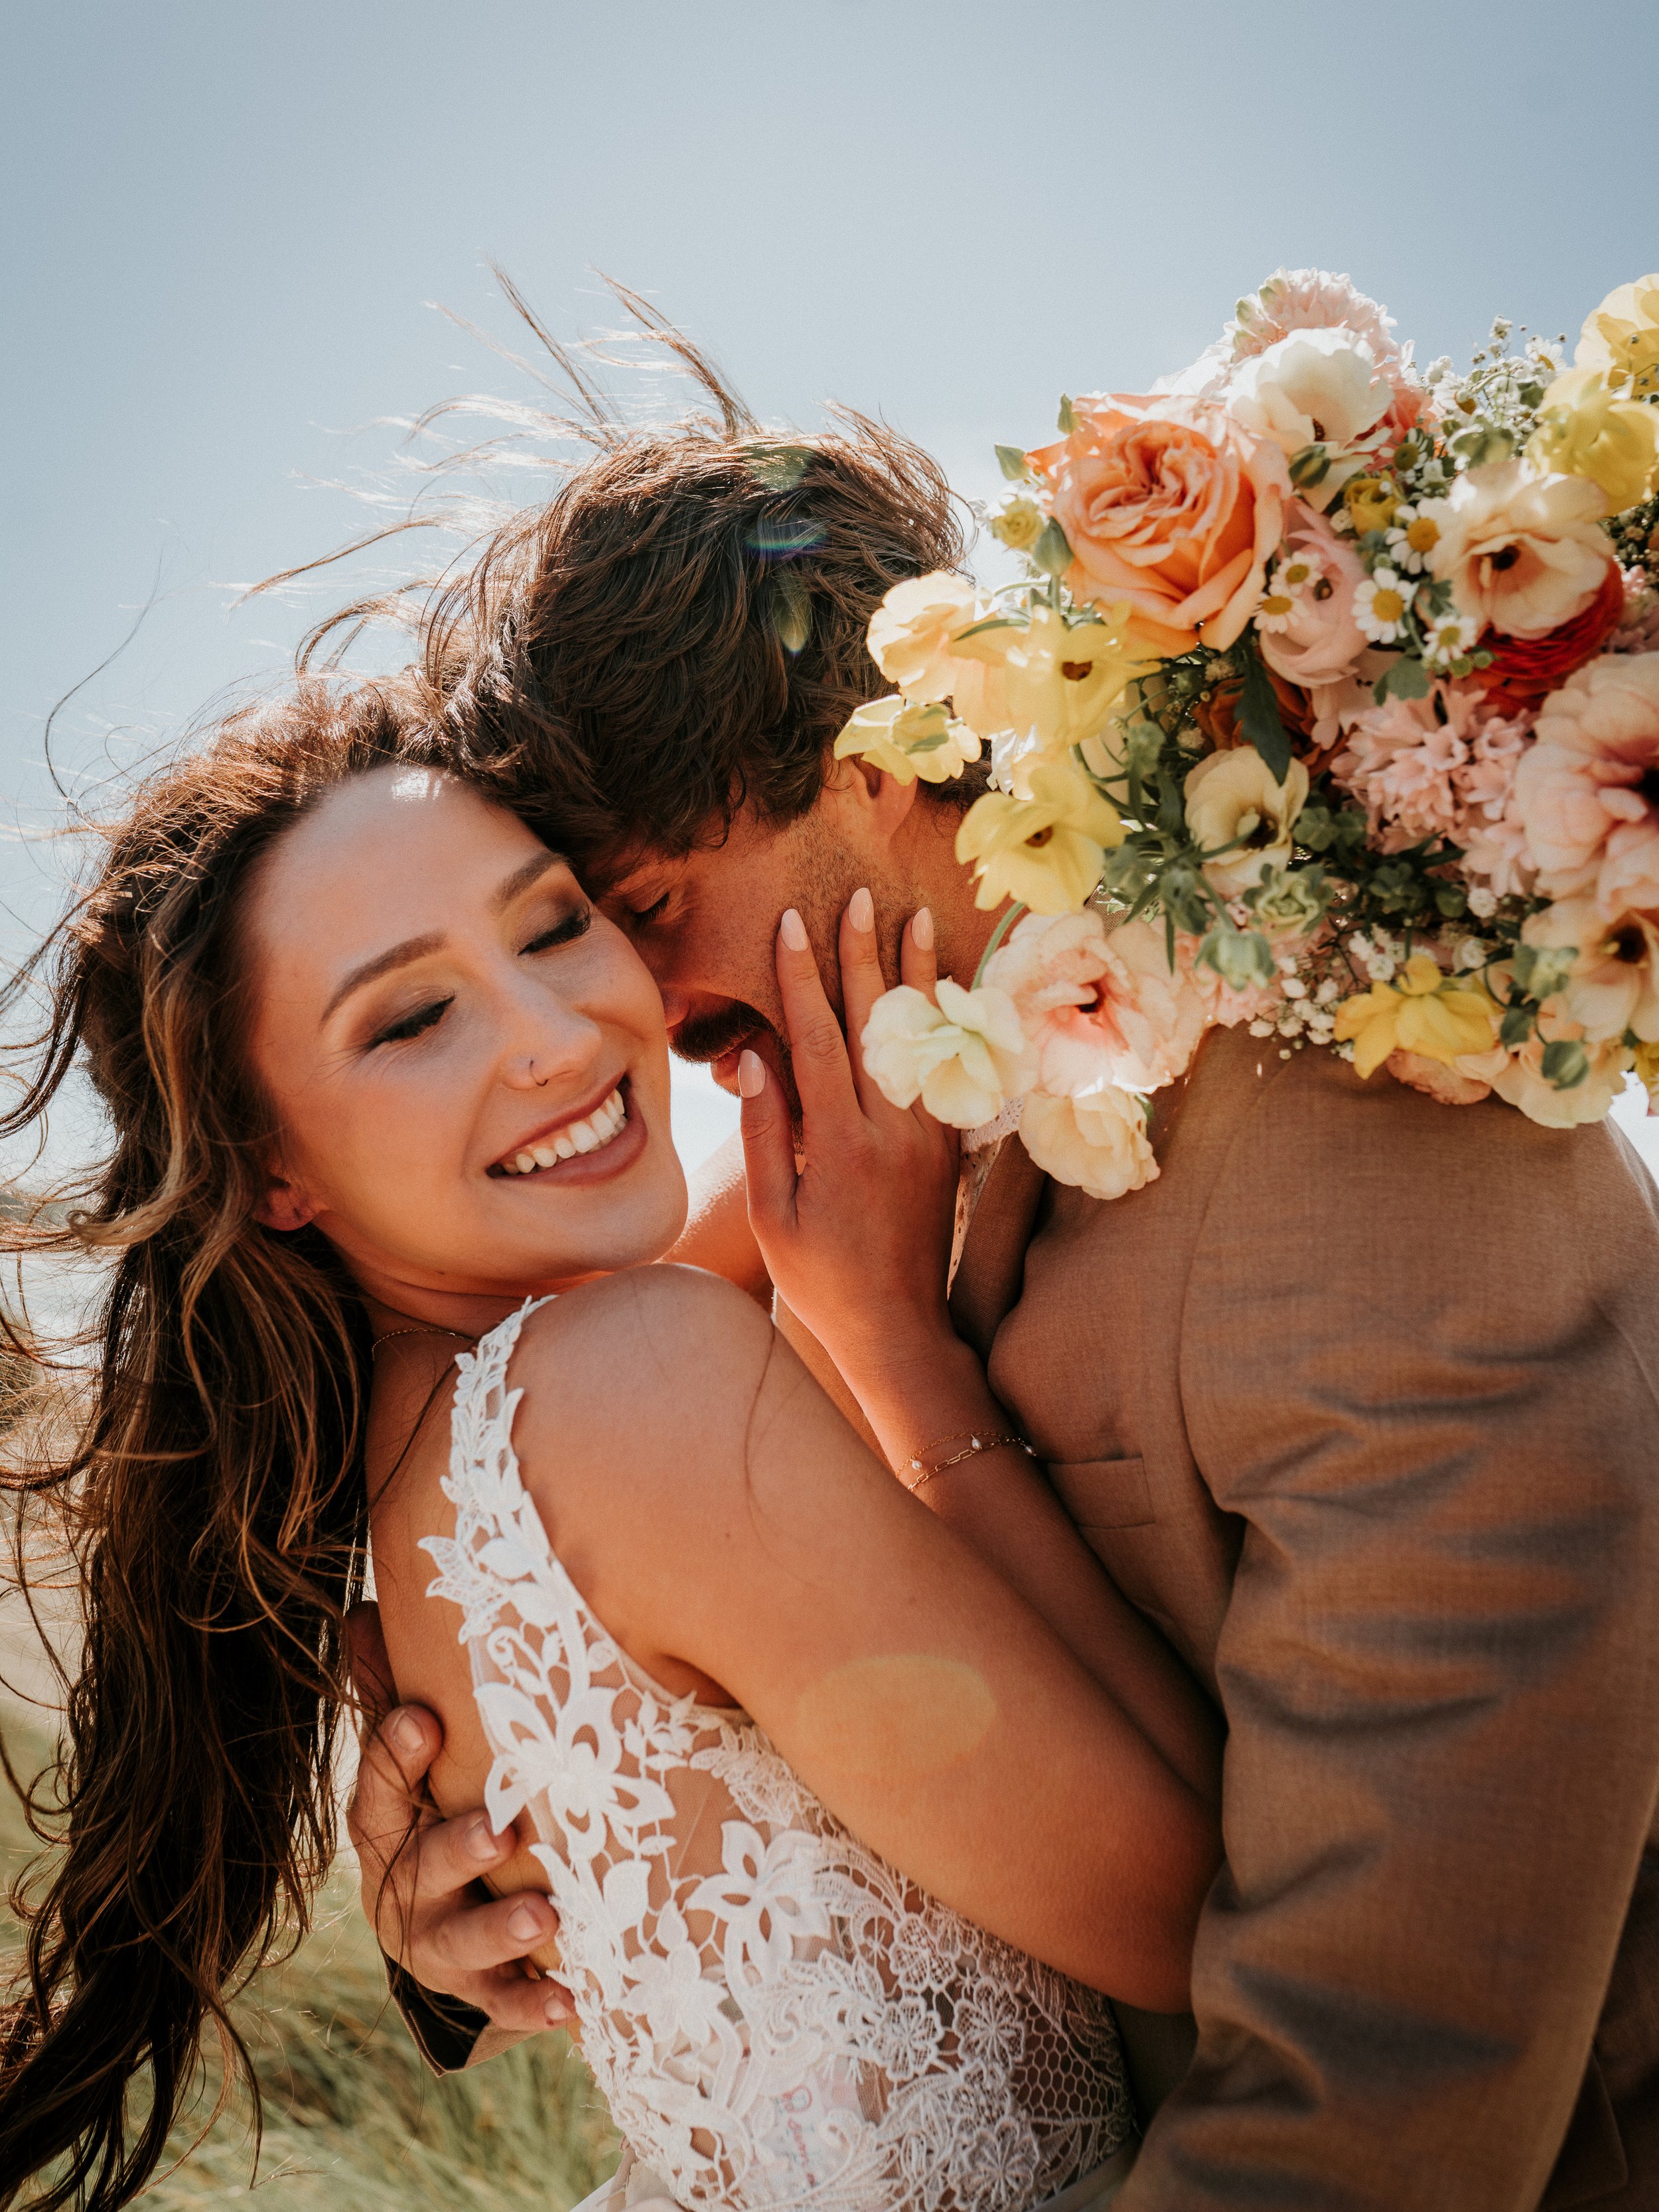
1423, 1010
961, 1057
1370, 502
1647, 1071
909, 741
1020, 522
1062, 682
1622, 336
1048, 850
1583, 431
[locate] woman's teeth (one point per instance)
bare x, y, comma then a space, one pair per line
588, 1136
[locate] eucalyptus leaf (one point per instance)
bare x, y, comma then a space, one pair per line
1067, 416
1566, 1063
1011, 461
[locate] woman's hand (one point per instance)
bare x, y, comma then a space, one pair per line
854, 1211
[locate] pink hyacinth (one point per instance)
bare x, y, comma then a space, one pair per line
1443, 766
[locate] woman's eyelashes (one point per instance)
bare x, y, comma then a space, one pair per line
564, 932
411, 1025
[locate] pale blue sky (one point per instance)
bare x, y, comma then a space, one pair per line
223, 220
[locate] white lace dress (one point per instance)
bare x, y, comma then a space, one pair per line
775, 2016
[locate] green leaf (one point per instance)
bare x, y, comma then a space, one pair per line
1406, 680
1011, 461
991, 621
1311, 466
1516, 1026
1565, 1064
1258, 717
1239, 956
1067, 416
1052, 553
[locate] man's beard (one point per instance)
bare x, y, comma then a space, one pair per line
707, 1037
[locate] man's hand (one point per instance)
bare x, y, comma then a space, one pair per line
420, 1874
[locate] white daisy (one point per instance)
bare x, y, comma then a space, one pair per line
1380, 604
1447, 637
1414, 534
1297, 573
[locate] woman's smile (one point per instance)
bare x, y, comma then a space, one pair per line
590, 1145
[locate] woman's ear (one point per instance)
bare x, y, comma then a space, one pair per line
283, 1205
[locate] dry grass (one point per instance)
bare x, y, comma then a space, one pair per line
353, 2121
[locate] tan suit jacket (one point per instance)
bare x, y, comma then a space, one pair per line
1359, 1402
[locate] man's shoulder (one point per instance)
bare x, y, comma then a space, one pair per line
1268, 1155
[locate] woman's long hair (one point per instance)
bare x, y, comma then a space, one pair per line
212, 1482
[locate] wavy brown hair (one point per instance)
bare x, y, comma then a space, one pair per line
211, 1481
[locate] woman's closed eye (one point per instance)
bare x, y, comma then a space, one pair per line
564, 932
411, 1024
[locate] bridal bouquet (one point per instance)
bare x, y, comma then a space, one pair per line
1327, 701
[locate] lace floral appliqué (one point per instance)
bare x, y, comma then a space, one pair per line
775, 2015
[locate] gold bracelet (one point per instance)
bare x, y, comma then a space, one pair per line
923, 1473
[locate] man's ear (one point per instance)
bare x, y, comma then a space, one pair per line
884, 802
283, 1205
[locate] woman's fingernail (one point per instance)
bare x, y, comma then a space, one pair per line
482, 1841
525, 1924
921, 929
792, 930
861, 911
557, 2012
406, 1732
751, 1075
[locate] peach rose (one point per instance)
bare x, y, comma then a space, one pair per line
1523, 553
1097, 1144
1171, 508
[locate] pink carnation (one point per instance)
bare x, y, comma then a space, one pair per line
1442, 767
1311, 300
1588, 790
1099, 1006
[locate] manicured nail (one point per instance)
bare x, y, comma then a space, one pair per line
405, 1732
861, 911
921, 929
482, 1841
792, 930
557, 2012
525, 1924
751, 1075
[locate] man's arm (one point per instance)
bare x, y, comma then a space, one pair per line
455, 1956
1420, 1357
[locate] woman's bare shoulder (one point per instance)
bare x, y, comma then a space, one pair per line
654, 1370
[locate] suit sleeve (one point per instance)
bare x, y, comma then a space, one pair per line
1419, 1360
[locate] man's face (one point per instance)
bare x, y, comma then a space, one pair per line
705, 925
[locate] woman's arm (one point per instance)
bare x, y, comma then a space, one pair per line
854, 1212
733, 1534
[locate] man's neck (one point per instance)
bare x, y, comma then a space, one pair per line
961, 930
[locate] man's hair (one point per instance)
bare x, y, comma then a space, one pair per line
680, 633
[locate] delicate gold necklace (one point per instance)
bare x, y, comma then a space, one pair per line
425, 1330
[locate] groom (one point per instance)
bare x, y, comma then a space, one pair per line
1359, 1401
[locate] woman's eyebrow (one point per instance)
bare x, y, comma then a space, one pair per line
397, 955
416, 948
522, 878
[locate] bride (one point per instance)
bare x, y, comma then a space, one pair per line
848, 1829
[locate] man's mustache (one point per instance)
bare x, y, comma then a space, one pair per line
706, 1037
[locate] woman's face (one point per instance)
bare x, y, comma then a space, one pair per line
468, 1063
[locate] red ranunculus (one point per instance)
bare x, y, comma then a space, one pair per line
1525, 669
